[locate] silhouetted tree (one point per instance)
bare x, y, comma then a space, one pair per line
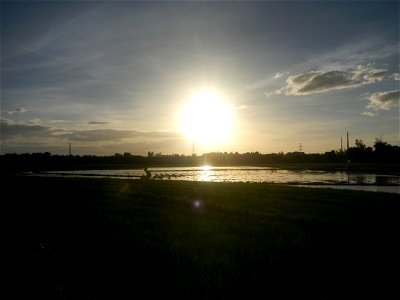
385, 152
360, 144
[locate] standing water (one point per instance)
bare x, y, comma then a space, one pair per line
337, 179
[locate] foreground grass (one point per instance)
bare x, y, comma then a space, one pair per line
88, 238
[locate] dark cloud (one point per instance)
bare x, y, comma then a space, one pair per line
319, 81
325, 82
302, 78
10, 130
99, 135
21, 138
384, 100
112, 135
98, 123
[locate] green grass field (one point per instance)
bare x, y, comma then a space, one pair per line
83, 238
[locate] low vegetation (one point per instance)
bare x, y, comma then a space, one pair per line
123, 239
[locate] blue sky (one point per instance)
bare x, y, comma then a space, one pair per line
113, 76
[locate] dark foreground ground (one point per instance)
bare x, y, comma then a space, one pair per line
82, 238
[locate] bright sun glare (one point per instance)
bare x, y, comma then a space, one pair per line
206, 119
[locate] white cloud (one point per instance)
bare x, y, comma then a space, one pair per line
35, 121
384, 100
280, 74
368, 113
323, 81
369, 74
395, 76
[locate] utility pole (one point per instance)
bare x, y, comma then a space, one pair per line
347, 140
70, 151
341, 144
193, 150
301, 147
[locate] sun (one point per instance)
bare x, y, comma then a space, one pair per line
206, 118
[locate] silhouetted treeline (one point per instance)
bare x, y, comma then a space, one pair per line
382, 152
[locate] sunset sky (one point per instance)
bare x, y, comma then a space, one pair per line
113, 77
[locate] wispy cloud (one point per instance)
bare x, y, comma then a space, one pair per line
319, 81
342, 58
19, 110
238, 107
384, 100
350, 55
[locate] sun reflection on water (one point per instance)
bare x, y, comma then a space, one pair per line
205, 173
206, 168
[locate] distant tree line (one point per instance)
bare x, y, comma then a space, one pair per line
382, 152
